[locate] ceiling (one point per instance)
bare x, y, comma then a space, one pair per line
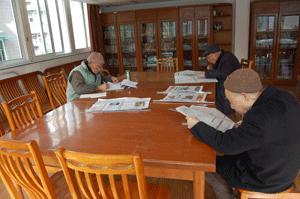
117, 2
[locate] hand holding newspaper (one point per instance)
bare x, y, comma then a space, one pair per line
211, 116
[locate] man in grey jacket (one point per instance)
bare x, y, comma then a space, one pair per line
87, 78
263, 153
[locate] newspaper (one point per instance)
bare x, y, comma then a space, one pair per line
189, 76
116, 86
119, 104
129, 83
211, 116
184, 89
185, 97
94, 95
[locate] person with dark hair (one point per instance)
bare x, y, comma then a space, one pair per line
224, 63
263, 153
87, 78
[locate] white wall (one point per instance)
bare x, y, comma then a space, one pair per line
40, 66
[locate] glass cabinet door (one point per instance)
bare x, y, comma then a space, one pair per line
148, 42
168, 39
289, 27
128, 47
202, 43
187, 37
264, 45
110, 43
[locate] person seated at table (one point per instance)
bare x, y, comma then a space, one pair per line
263, 153
224, 63
87, 78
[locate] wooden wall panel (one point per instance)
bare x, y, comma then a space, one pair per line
126, 17
265, 7
187, 13
167, 13
146, 15
289, 6
202, 11
108, 18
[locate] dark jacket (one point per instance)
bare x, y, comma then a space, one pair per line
265, 149
225, 65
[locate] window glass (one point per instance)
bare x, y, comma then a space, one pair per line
78, 24
39, 27
9, 38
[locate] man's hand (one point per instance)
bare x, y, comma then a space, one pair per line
191, 121
114, 80
209, 67
201, 75
103, 86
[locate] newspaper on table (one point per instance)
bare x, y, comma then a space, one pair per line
119, 104
116, 86
190, 76
185, 97
211, 116
184, 89
94, 95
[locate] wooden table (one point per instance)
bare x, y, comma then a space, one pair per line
169, 149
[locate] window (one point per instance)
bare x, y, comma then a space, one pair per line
9, 36
49, 30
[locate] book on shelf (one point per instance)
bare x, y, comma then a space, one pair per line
119, 104
211, 116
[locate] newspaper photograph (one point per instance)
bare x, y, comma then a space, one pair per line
119, 104
185, 97
184, 89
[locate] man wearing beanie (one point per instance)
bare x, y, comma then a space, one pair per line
263, 153
87, 78
224, 63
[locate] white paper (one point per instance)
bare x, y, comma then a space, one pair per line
210, 116
184, 89
95, 95
120, 104
185, 97
189, 76
129, 83
117, 86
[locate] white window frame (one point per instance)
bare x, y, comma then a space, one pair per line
25, 38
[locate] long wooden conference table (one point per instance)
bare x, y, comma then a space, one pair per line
168, 148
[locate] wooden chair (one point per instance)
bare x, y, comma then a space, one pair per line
56, 87
247, 63
167, 64
19, 111
2, 132
31, 82
21, 165
90, 171
105, 71
5, 128
66, 68
288, 194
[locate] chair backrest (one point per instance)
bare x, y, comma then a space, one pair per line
31, 82
19, 160
10, 88
247, 63
22, 110
82, 167
167, 64
65, 67
288, 194
56, 87
106, 72
1, 130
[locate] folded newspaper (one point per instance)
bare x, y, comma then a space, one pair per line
129, 83
211, 116
119, 104
184, 89
190, 76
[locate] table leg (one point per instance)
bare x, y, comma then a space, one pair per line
199, 185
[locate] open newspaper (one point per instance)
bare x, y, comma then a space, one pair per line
184, 89
121, 85
211, 116
190, 76
185, 97
119, 104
